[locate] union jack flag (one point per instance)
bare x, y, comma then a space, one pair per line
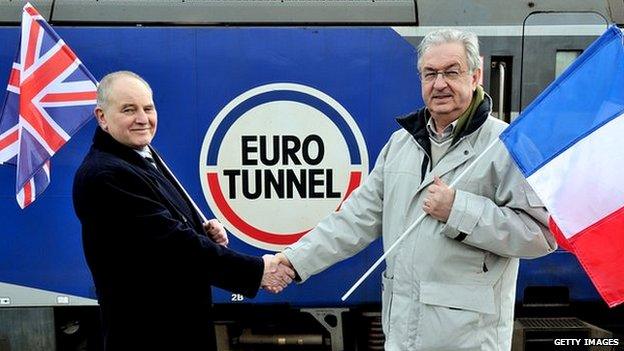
50, 96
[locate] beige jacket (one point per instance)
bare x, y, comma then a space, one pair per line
449, 286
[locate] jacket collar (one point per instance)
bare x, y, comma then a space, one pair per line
415, 123
105, 142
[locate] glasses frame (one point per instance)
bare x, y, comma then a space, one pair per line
447, 75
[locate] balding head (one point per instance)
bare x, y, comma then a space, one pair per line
105, 85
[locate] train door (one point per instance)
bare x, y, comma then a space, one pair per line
550, 42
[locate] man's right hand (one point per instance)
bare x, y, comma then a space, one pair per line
277, 275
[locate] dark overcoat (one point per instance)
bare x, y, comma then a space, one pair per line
151, 262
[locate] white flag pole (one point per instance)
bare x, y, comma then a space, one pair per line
411, 227
162, 161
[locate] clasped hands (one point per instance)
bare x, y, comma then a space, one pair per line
278, 273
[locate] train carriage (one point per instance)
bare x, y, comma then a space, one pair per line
271, 113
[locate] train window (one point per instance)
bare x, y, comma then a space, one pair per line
563, 59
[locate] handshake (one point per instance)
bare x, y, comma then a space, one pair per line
278, 273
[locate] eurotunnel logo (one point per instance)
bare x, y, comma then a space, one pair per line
279, 158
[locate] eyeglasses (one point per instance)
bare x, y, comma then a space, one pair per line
448, 75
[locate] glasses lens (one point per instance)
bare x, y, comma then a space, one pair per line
450, 75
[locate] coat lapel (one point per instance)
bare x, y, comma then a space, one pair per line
454, 159
165, 188
173, 191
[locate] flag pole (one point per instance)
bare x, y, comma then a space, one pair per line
411, 227
188, 197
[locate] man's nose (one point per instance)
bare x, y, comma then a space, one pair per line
141, 117
439, 82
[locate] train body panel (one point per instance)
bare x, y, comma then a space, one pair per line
374, 83
271, 95
327, 89
212, 83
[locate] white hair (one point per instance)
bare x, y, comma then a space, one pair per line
442, 36
104, 87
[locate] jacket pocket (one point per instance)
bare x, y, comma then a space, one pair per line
451, 315
476, 298
386, 302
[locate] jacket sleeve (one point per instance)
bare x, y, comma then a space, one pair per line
125, 212
511, 223
346, 232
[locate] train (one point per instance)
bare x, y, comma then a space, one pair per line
271, 113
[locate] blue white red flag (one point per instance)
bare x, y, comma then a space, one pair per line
569, 144
50, 96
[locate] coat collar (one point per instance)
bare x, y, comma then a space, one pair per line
169, 188
105, 142
415, 123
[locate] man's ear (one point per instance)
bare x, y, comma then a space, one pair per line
99, 116
476, 78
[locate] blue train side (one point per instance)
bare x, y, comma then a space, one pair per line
209, 81
195, 72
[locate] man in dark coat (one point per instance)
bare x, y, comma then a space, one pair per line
152, 259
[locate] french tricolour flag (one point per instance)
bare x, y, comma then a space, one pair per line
569, 144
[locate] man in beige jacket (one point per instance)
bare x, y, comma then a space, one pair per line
451, 284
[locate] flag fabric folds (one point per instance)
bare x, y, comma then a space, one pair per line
50, 95
569, 144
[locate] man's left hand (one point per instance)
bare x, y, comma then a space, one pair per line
439, 200
216, 232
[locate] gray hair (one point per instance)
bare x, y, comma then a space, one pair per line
104, 87
442, 36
